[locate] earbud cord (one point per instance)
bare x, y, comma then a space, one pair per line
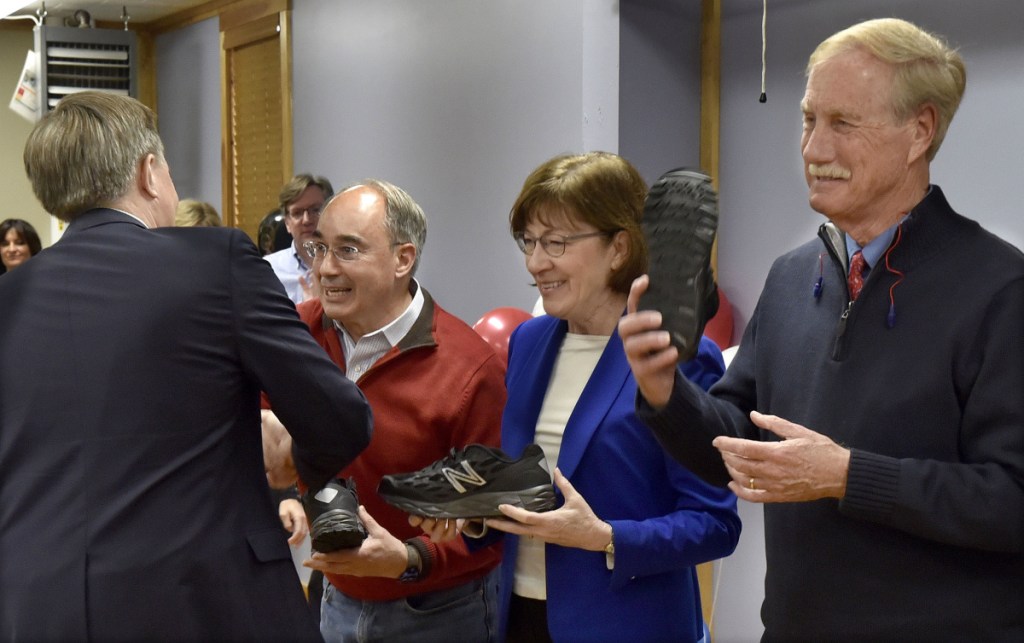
890, 319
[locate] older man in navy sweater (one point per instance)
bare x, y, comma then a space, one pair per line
881, 416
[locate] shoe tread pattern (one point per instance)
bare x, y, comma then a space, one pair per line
680, 221
336, 529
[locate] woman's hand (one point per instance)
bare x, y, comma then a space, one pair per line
574, 524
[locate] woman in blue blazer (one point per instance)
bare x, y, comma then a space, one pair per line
616, 560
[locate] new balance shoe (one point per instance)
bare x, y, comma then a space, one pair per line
471, 483
333, 514
679, 222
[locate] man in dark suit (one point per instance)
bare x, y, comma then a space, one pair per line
133, 503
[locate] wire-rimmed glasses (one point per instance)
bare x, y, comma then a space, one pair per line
553, 244
318, 250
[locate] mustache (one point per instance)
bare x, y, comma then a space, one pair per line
827, 171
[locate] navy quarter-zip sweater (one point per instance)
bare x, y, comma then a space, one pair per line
928, 543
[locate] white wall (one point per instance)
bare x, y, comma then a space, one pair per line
188, 104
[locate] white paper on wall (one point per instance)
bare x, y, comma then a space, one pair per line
25, 101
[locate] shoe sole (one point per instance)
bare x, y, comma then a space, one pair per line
679, 222
336, 529
479, 505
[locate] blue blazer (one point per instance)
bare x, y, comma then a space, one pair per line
665, 519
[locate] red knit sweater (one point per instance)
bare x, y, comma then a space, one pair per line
441, 387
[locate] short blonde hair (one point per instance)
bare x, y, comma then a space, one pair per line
193, 214
927, 70
85, 153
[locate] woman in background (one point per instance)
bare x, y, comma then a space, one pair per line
192, 213
18, 242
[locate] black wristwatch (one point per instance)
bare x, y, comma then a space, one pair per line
419, 561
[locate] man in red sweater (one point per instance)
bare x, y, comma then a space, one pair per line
433, 384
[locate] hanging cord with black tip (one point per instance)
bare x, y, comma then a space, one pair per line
764, 45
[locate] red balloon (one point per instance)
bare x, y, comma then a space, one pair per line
496, 327
719, 328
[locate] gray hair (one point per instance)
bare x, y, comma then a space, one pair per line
403, 217
85, 153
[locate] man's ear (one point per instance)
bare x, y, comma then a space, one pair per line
406, 259
925, 124
147, 176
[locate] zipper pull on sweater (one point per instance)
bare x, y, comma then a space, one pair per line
837, 347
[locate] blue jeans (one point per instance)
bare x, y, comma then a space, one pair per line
468, 613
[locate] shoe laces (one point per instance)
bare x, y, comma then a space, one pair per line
455, 455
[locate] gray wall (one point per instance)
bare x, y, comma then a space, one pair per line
188, 102
456, 101
659, 85
763, 195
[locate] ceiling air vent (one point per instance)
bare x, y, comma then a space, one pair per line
73, 60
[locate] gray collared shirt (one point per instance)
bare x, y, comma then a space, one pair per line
363, 354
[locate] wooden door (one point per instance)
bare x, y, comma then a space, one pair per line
256, 110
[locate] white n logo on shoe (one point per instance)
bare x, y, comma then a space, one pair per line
456, 478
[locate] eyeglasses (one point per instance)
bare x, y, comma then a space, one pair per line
313, 212
318, 250
553, 244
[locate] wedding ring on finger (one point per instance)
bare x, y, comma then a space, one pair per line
752, 487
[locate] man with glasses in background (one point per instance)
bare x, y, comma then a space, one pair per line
433, 385
301, 200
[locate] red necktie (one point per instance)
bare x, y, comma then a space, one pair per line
856, 277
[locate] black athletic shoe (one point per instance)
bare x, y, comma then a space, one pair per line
680, 220
333, 514
471, 483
